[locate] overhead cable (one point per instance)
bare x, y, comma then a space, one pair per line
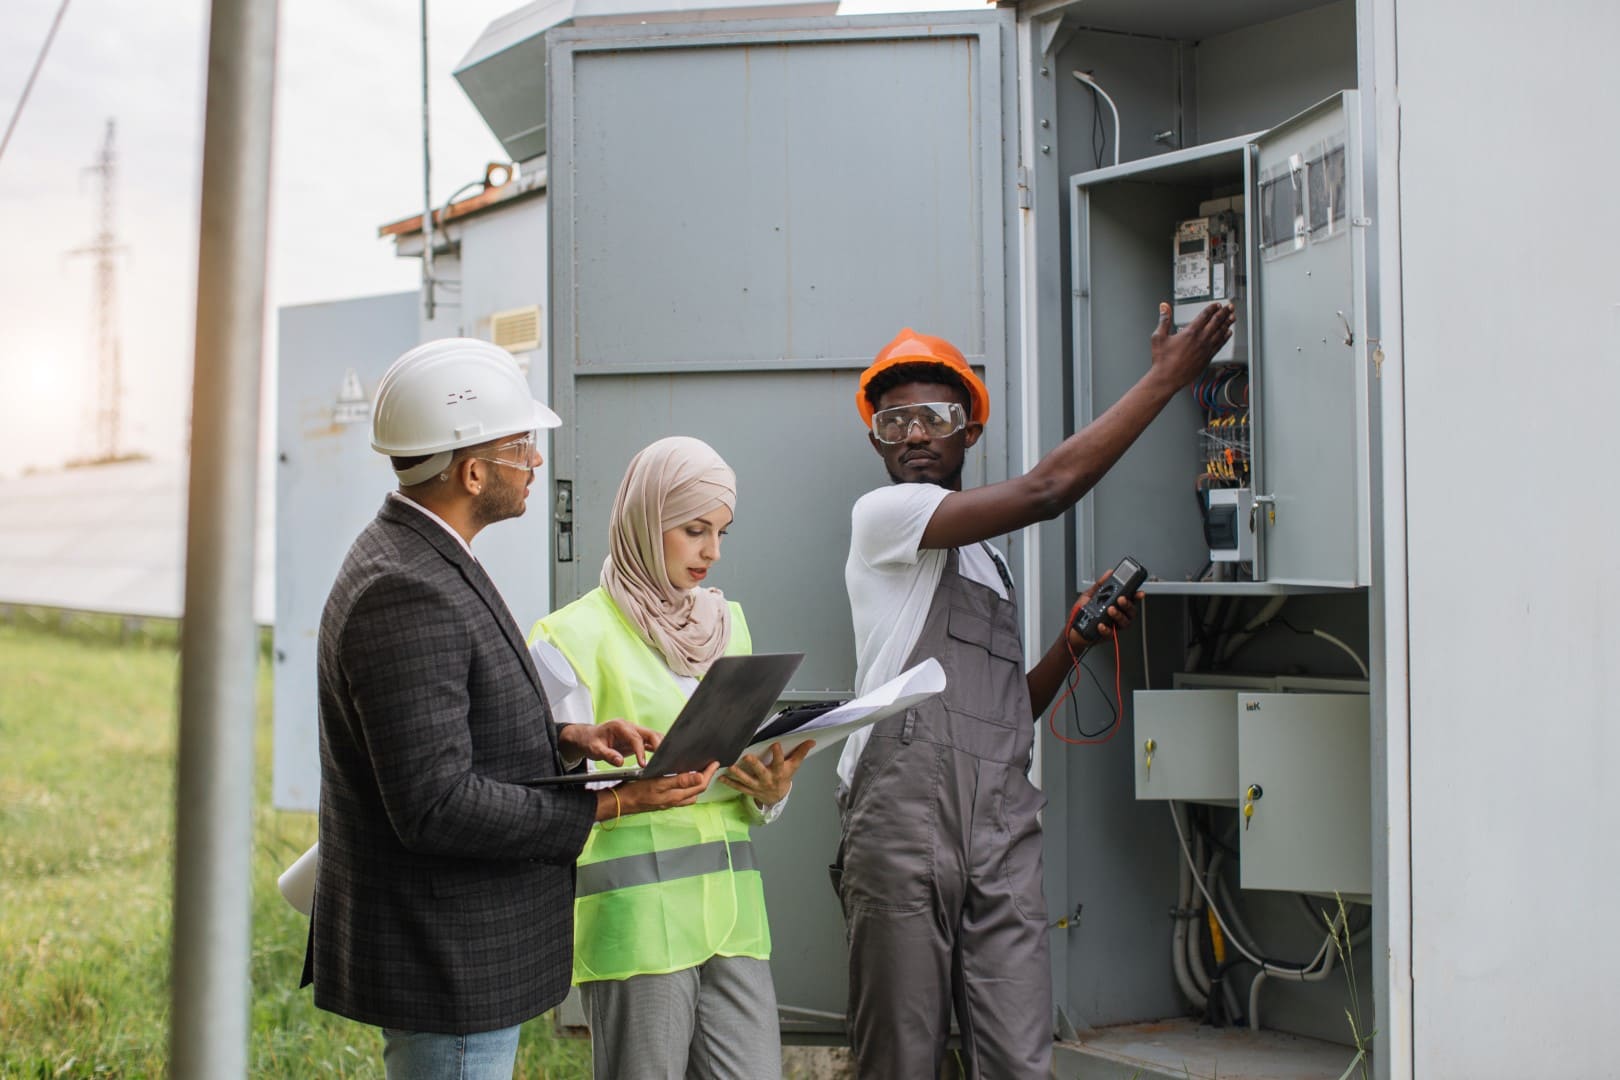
50, 36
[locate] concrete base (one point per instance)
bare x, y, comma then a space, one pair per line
1185, 1050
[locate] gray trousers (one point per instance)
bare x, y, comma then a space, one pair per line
716, 1021
941, 862
945, 913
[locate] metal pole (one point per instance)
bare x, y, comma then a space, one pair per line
427, 180
218, 647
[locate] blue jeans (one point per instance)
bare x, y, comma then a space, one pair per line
428, 1055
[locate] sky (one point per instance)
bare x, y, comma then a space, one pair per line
347, 158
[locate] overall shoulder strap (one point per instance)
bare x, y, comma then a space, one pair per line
1001, 567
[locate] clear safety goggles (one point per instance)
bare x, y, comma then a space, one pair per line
515, 453
937, 419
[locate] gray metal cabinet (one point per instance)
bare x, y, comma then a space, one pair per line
1304, 765
1186, 745
1302, 311
329, 483
742, 215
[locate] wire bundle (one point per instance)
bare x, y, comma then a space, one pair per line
1223, 443
1223, 389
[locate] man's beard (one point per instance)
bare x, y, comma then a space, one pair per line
953, 481
500, 499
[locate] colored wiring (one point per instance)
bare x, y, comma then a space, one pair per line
1071, 683
1222, 392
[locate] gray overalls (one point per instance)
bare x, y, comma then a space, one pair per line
941, 861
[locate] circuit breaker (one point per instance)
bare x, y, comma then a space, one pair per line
1229, 524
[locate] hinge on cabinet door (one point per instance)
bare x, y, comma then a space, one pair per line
1023, 188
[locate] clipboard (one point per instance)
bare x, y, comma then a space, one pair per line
717, 723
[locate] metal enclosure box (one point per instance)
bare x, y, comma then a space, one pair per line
1304, 315
1310, 756
1194, 735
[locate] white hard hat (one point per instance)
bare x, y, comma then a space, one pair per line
447, 394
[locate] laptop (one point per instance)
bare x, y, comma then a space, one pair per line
717, 724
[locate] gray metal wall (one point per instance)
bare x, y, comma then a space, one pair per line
1260, 76
1514, 636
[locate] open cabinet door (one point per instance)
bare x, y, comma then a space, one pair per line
1311, 415
742, 215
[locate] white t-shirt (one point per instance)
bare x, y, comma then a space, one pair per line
891, 582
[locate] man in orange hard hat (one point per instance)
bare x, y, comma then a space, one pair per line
939, 871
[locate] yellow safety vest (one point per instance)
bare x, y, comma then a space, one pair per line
665, 890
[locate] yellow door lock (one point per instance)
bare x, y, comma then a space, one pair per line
1250, 797
1147, 749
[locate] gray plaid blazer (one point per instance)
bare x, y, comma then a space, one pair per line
444, 900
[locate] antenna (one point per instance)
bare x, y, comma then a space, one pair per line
109, 375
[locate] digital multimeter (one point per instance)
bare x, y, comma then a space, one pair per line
1093, 615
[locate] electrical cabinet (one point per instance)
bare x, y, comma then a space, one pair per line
1305, 775
1186, 745
842, 178
1256, 480
1291, 751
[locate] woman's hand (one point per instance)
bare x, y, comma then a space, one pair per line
768, 783
608, 742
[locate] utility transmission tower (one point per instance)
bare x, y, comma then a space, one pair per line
105, 248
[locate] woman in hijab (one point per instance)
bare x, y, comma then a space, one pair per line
671, 945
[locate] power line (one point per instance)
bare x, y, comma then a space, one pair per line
32, 75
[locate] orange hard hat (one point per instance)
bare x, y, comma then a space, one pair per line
910, 347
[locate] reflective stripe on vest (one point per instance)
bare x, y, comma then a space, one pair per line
628, 871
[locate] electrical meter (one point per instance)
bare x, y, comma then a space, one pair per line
1208, 267
1192, 260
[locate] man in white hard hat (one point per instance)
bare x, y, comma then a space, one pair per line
444, 896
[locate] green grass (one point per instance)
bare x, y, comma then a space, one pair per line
87, 754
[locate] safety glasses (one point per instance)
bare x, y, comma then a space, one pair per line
937, 419
516, 453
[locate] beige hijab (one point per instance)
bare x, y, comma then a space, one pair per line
668, 484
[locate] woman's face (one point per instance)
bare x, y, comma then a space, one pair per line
693, 546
